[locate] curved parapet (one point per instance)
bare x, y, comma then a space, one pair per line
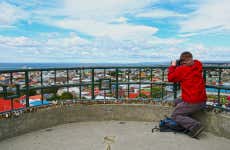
218, 124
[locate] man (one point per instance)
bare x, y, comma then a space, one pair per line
189, 74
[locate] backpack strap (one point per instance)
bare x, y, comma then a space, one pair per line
155, 129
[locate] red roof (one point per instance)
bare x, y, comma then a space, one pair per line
147, 93
35, 97
228, 98
136, 95
133, 95
96, 92
5, 105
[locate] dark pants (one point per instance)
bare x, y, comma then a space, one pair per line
183, 111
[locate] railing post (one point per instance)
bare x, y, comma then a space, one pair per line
162, 88
92, 86
175, 90
128, 82
219, 83
204, 75
140, 82
27, 88
151, 78
11, 100
67, 78
12, 104
104, 90
42, 94
117, 83
11, 78
55, 76
80, 81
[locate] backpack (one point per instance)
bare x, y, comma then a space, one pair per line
169, 125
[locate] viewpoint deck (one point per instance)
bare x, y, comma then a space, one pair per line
128, 135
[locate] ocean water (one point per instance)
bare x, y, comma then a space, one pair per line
9, 66
6, 66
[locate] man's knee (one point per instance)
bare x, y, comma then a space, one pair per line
177, 111
177, 101
174, 115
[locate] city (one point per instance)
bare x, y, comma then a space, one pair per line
134, 85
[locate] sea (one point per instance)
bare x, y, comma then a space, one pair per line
12, 66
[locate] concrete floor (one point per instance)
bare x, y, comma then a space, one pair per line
126, 136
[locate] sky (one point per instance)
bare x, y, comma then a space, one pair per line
113, 31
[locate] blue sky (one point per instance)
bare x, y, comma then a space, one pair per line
113, 30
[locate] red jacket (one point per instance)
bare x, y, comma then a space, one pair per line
191, 81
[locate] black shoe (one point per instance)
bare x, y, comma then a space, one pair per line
196, 131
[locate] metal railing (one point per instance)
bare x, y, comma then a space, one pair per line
106, 84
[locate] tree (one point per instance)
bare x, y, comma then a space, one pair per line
66, 96
31, 92
54, 97
142, 95
50, 90
156, 92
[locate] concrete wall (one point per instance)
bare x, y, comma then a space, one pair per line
218, 124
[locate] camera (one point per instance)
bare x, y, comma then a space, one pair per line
178, 62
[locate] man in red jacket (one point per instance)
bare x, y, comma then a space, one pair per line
189, 74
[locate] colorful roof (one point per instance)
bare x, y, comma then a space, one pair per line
37, 97
133, 95
228, 98
5, 105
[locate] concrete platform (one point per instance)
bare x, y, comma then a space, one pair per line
127, 135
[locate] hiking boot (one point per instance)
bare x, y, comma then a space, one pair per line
196, 131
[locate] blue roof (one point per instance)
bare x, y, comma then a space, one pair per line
39, 103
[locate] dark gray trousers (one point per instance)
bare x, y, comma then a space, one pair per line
183, 111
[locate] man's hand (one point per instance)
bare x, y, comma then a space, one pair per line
173, 63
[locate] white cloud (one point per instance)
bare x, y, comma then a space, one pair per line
98, 18
10, 14
101, 29
187, 34
103, 9
199, 51
167, 41
67, 42
114, 37
17, 41
120, 20
74, 48
28, 46
160, 13
210, 14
